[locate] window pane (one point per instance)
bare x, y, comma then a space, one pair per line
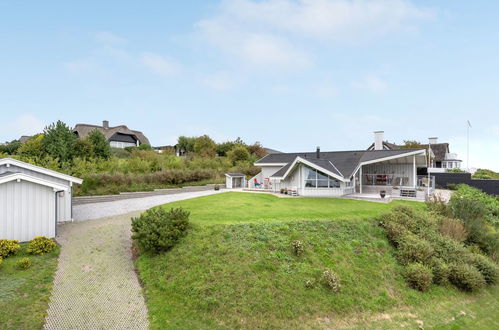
310, 183
333, 183
322, 183
321, 176
309, 173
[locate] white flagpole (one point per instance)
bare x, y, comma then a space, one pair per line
468, 144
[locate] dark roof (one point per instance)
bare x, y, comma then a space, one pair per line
235, 174
439, 150
343, 163
272, 151
386, 146
84, 129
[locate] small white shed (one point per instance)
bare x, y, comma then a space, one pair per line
32, 200
235, 180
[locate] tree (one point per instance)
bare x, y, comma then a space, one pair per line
60, 141
33, 147
84, 148
11, 147
257, 149
100, 146
186, 143
205, 146
411, 144
224, 148
239, 153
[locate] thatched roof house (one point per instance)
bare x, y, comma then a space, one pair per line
119, 136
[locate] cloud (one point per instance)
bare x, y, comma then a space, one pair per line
327, 90
25, 124
270, 33
220, 81
110, 39
80, 66
371, 83
160, 65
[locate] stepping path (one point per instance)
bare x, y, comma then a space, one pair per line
95, 285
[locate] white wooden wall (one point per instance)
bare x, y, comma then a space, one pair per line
64, 202
397, 170
26, 210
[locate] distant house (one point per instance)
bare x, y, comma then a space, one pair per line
119, 136
441, 157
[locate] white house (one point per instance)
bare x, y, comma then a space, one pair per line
33, 200
338, 173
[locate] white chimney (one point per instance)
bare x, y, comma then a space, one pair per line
378, 140
433, 140
105, 124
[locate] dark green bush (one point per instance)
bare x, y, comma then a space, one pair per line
8, 247
466, 277
419, 276
488, 269
414, 249
40, 245
159, 230
440, 271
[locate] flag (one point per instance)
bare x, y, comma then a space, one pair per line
469, 124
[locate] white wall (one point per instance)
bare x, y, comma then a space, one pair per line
26, 210
64, 203
267, 171
397, 170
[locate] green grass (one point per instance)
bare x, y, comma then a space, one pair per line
236, 269
235, 207
25, 294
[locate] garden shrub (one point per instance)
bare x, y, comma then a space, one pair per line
395, 232
158, 230
331, 280
454, 229
40, 245
297, 247
24, 263
466, 277
8, 247
437, 204
414, 249
466, 209
488, 269
419, 276
440, 271
1, 260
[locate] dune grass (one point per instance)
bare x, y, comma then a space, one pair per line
236, 269
25, 294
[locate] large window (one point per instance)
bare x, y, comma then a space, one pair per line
316, 179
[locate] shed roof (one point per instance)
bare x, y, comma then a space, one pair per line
46, 171
15, 176
234, 175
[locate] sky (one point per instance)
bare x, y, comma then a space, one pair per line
291, 74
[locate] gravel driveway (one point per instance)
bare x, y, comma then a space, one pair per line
95, 285
107, 209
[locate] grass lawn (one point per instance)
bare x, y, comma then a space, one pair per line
236, 269
25, 294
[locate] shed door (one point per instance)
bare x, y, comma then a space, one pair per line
26, 210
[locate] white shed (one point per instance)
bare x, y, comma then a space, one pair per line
32, 200
235, 180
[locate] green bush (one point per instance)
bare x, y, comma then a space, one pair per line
488, 269
40, 245
24, 263
8, 247
1, 261
440, 271
414, 249
454, 229
331, 280
419, 276
158, 230
466, 277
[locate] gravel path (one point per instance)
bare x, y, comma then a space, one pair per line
95, 285
107, 209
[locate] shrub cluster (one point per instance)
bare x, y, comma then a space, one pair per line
431, 247
24, 263
40, 245
158, 230
297, 247
8, 247
331, 280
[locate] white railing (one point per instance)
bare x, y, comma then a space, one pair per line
397, 180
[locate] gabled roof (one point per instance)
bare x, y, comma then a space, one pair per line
84, 129
386, 146
439, 150
235, 175
46, 171
338, 163
18, 176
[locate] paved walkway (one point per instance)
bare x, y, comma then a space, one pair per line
95, 286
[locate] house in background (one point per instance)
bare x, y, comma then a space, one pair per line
339, 173
441, 159
118, 137
33, 200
